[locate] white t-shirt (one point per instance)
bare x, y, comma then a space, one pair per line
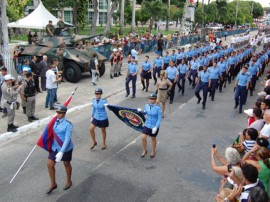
50, 79
265, 131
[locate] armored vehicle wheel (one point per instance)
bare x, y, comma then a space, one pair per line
72, 72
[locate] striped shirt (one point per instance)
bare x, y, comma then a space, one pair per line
248, 144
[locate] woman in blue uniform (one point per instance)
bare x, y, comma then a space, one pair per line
99, 118
152, 123
62, 148
146, 73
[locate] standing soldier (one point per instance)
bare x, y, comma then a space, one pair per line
172, 75
120, 61
62, 148
132, 72
34, 69
146, 73
254, 74
29, 95
99, 118
215, 74
193, 69
204, 84
183, 73
61, 25
10, 91
113, 59
241, 87
157, 66
152, 124
166, 60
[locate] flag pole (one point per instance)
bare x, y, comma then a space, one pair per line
71, 94
23, 164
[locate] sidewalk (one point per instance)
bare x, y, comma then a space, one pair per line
84, 93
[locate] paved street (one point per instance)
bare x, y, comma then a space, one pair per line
179, 172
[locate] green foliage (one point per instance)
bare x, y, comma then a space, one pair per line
15, 8
82, 6
142, 17
57, 4
222, 11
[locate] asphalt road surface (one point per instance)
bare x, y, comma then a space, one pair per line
179, 172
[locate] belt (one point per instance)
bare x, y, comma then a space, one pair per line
163, 89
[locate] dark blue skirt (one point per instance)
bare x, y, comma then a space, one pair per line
146, 75
100, 123
148, 131
66, 157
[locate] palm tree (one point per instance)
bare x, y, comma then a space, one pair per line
3, 29
133, 15
94, 21
111, 8
122, 15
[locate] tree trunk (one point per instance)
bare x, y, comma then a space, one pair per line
4, 49
122, 15
168, 15
94, 21
133, 16
75, 16
109, 18
151, 24
176, 24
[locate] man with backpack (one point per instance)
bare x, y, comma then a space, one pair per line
29, 95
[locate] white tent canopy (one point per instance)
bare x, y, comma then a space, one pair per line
38, 19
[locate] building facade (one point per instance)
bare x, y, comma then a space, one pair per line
68, 12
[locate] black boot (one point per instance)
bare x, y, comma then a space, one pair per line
11, 128
14, 126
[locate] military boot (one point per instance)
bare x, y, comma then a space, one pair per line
11, 128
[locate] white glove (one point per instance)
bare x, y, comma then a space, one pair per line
154, 130
58, 157
105, 105
139, 109
91, 119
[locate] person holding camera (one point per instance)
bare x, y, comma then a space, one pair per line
132, 72
10, 91
29, 95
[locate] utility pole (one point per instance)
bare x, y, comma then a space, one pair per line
4, 49
236, 13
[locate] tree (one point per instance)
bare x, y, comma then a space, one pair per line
122, 15
133, 15
257, 9
17, 7
168, 14
111, 10
3, 29
94, 21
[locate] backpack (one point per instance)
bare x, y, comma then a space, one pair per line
30, 89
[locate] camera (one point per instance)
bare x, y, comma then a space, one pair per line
214, 146
229, 167
13, 83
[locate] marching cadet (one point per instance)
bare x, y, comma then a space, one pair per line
190, 54
254, 74
183, 73
157, 66
232, 62
62, 148
10, 90
29, 96
173, 56
166, 60
152, 124
210, 58
120, 61
132, 72
193, 68
204, 83
179, 56
163, 86
241, 87
223, 67
172, 75
215, 74
146, 73
99, 118
113, 59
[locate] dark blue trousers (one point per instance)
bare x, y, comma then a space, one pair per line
172, 90
253, 83
202, 86
193, 74
214, 83
240, 92
156, 71
181, 78
133, 79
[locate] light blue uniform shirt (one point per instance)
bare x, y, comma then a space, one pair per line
179, 56
204, 76
214, 72
173, 57
153, 116
210, 57
253, 70
243, 79
194, 64
63, 130
182, 68
99, 110
133, 68
222, 66
171, 72
146, 65
166, 59
134, 53
200, 61
232, 60
158, 62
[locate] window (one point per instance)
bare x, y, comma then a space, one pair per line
90, 17
68, 16
90, 4
103, 4
102, 18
